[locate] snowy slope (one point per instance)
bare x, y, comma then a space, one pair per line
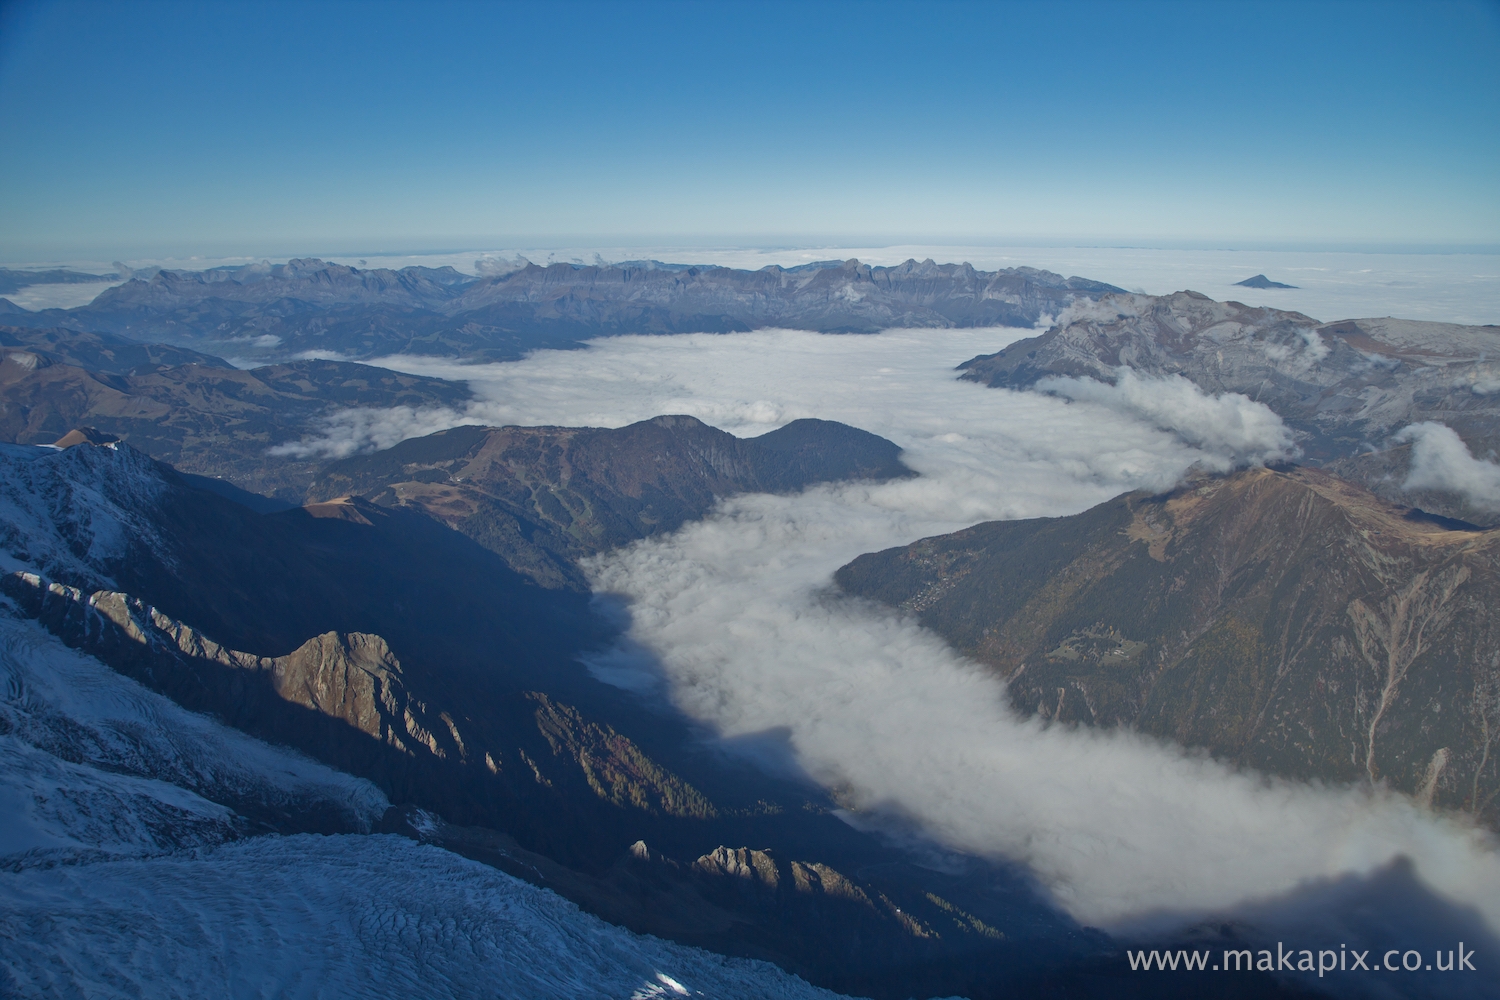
92, 763
345, 916
68, 514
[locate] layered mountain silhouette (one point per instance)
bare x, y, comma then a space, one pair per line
14, 279
1285, 620
418, 616
275, 311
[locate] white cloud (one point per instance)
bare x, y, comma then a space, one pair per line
1441, 461
1231, 427
734, 621
359, 429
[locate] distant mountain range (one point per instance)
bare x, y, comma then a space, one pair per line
282, 310
1284, 620
192, 410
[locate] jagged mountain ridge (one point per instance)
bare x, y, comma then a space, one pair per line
273, 311
544, 497
98, 766
1285, 620
1343, 383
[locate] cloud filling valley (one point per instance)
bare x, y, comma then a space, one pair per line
735, 621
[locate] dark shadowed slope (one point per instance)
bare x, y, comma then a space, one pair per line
1287, 620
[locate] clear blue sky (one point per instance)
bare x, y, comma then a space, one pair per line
140, 129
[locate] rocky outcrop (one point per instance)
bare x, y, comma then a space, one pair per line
353, 678
614, 766
1285, 620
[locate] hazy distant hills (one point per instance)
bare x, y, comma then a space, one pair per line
276, 311
34, 348
1261, 281
1288, 621
1345, 386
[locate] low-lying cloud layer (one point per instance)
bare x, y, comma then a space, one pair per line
745, 634
750, 640
1441, 461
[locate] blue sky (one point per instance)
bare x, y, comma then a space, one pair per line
137, 129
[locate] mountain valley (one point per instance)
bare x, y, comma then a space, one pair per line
415, 625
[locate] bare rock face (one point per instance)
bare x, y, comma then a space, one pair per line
354, 678
1289, 621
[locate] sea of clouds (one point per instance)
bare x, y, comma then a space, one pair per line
735, 621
